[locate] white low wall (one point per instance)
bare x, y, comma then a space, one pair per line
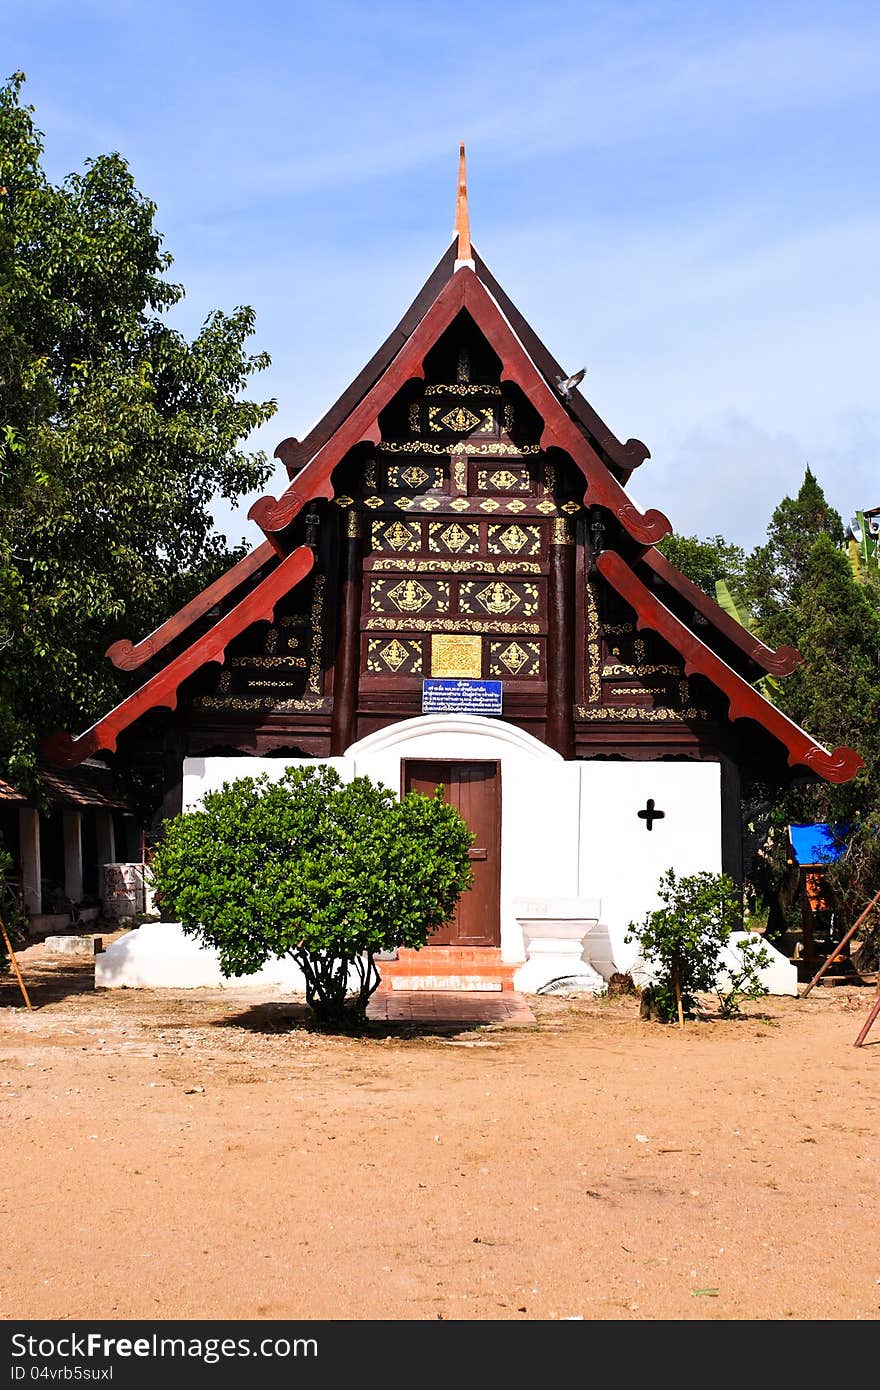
569, 830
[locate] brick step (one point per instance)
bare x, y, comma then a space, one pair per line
449, 968
455, 984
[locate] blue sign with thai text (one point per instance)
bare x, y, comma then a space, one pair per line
461, 697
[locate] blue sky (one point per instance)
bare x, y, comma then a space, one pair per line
683, 197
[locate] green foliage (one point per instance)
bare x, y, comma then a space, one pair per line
325, 872
115, 434
835, 693
706, 562
776, 571
742, 980
682, 943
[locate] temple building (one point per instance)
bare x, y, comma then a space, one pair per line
456, 588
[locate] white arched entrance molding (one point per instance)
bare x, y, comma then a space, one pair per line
540, 800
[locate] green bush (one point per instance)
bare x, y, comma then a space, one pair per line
682, 942
326, 872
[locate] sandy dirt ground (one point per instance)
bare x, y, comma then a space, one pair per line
202, 1154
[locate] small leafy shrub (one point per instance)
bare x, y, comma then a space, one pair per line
329, 873
682, 942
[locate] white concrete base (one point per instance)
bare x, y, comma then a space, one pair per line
161, 955
72, 945
779, 977
555, 931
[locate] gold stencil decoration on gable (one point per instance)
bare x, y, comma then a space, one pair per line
504, 480
453, 537
391, 656
498, 598
414, 417
459, 418
514, 658
457, 655
414, 475
409, 596
398, 536
460, 504
514, 539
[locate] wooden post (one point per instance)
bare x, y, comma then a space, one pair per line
560, 640
73, 865
15, 965
869, 1021
843, 943
29, 855
346, 675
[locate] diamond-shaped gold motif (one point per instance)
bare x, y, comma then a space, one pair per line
517, 505
373, 502
429, 504
459, 504
571, 507
398, 536
414, 476
504, 479
498, 597
546, 506
490, 505
460, 418
409, 596
343, 500
455, 537
513, 657
394, 655
513, 539
404, 503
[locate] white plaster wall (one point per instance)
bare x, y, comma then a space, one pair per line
203, 775
621, 861
540, 797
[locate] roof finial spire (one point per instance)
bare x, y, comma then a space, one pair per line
462, 216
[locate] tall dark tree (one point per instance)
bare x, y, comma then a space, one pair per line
116, 433
776, 571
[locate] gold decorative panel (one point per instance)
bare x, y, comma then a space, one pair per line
498, 597
453, 537
515, 660
460, 418
396, 535
514, 538
415, 476
504, 480
398, 656
457, 655
408, 595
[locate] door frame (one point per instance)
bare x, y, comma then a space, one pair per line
470, 762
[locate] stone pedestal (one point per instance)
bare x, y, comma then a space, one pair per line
554, 931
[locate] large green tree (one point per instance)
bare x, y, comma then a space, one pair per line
776, 571
116, 433
705, 562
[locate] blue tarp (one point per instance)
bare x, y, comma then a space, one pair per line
813, 844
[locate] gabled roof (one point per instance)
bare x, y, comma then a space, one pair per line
458, 283
463, 291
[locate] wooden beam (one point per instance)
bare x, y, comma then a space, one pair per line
779, 662
127, 657
840, 765
161, 691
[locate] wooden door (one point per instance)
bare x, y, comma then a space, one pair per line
474, 789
